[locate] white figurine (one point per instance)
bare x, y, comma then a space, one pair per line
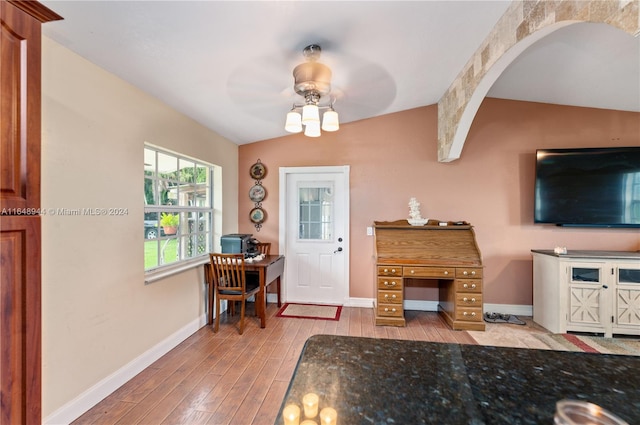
414, 213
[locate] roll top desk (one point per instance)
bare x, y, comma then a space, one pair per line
446, 254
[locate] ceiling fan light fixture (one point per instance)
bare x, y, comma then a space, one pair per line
330, 121
312, 80
312, 129
294, 122
310, 115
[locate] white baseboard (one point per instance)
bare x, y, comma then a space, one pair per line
515, 309
421, 305
360, 302
85, 401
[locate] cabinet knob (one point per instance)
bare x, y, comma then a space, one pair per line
386, 270
393, 270
473, 285
473, 300
465, 286
386, 309
389, 283
465, 299
446, 272
465, 272
473, 273
412, 271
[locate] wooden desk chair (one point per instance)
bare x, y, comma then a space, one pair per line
231, 284
264, 247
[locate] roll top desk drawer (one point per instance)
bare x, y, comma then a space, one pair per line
390, 310
389, 270
468, 285
469, 314
468, 300
429, 272
469, 272
391, 283
389, 297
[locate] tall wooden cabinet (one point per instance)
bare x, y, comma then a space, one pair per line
20, 299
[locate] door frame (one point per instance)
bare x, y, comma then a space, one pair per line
285, 172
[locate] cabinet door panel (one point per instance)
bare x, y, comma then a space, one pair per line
20, 319
20, 109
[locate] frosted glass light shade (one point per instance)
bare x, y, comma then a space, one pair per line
293, 123
330, 121
310, 114
312, 129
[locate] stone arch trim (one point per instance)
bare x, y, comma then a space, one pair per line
524, 23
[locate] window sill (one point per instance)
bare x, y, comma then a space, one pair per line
166, 271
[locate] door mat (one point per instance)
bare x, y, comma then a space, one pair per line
591, 344
310, 311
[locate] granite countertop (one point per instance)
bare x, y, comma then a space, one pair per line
383, 381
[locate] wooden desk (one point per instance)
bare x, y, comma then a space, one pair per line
446, 254
270, 269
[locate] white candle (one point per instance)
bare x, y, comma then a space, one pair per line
328, 416
291, 415
310, 404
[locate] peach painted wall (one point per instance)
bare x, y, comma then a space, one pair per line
394, 158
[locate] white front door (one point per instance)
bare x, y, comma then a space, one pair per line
314, 227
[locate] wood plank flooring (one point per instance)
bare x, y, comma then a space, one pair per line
226, 378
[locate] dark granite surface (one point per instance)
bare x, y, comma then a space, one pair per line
382, 381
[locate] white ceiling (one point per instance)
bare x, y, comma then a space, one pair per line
228, 64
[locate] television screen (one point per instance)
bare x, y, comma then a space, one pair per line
588, 187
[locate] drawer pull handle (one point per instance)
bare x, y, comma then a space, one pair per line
473, 273
472, 314
389, 284
386, 309
473, 300
386, 296
393, 270
465, 299
465, 286
465, 272
473, 285
446, 272
412, 271
386, 270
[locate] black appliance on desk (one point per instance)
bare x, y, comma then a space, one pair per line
239, 243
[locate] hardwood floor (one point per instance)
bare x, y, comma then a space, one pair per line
227, 378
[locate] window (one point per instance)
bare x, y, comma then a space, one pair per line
178, 209
316, 212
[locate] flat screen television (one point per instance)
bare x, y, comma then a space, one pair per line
588, 187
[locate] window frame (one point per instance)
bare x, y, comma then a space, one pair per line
191, 239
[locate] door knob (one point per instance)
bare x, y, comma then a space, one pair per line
338, 250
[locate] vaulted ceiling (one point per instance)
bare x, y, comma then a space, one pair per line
228, 64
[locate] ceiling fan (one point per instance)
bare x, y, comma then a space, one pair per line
312, 81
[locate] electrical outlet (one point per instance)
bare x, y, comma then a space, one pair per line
369, 231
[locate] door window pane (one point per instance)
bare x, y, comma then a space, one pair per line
315, 221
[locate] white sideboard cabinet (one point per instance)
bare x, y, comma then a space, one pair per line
587, 291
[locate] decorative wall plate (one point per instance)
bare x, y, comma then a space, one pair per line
256, 215
258, 171
257, 193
